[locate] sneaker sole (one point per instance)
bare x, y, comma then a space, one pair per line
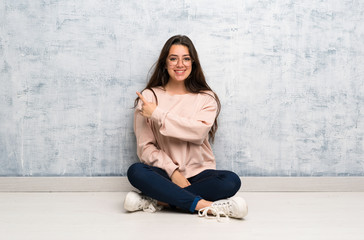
129, 201
243, 207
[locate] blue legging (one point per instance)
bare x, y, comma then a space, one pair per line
209, 185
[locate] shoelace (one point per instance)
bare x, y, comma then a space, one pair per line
217, 213
150, 205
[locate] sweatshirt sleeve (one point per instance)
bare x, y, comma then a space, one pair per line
194, 130
147, 149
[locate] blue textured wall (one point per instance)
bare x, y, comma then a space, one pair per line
289, 75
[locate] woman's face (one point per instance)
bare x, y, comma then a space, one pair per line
179, 63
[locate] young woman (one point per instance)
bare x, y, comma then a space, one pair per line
175, 117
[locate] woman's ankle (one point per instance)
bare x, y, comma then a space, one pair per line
202, 204
162, 204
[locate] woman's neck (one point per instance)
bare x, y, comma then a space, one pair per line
175, 88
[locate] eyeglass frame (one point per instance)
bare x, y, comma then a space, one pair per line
171, 63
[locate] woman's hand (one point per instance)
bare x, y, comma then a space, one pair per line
147, 107
179, 179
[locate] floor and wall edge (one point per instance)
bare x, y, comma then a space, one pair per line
121, 184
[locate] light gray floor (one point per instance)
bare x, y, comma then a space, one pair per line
95, 215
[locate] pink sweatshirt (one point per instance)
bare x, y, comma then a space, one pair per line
176, 135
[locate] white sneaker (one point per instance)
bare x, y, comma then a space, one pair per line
136, 202
235, 207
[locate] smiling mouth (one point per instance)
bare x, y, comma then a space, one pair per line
179, 71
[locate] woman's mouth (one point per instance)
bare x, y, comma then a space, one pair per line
179, 72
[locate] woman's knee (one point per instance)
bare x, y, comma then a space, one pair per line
135, 170
234, 182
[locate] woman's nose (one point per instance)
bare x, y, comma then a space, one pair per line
179, 63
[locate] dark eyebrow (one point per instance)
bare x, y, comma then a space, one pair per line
174, 55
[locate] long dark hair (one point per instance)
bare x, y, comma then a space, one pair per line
194, 83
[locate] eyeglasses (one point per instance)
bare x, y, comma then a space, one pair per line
173, 61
